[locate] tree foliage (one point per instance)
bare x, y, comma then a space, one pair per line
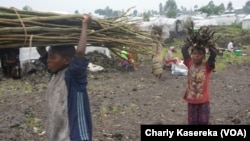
27, 8
212, 9
171, 13
146, 16
108, 12
246, 8
161, 9
77, 12
170, 9
230, 6
135, 12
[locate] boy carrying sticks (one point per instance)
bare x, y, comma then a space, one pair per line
68, 116
197, 93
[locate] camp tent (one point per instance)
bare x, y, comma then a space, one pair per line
246, 22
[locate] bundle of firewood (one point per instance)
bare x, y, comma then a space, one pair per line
202, 37
20, 28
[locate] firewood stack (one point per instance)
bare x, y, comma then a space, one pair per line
20, 28
202, 37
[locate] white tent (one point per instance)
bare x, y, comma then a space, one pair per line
246, 22
170, 22
102, 50
240, 18
226, 19
27, 54
205, 22
147, 26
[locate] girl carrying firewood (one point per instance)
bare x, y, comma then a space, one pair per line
197, 93
157, 68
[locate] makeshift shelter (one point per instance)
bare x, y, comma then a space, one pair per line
173, 24
205, 22
226, 19
246, 22
240, 18
147, 26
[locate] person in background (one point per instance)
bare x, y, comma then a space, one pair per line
10, 62
131, 60
124, 58
68, 115
170, 59
127, 58
197, 93
157, 68
230, 46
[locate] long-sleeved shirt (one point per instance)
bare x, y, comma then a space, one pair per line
67, 104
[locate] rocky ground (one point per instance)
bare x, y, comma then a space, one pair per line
123, 100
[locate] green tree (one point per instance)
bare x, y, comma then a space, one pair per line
146, 16
153, 12
230, 6
77, 12
107, 12
246, 8
171, 13
211, 4
135, 12
222, 6
170, 9
212, 9
160, 9
27, 8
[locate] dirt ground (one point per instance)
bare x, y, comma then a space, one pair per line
122, 101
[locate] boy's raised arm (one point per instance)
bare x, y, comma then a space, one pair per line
82, 43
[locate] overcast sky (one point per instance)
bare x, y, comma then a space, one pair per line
87, 6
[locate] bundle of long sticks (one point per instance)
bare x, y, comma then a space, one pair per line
21, 28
